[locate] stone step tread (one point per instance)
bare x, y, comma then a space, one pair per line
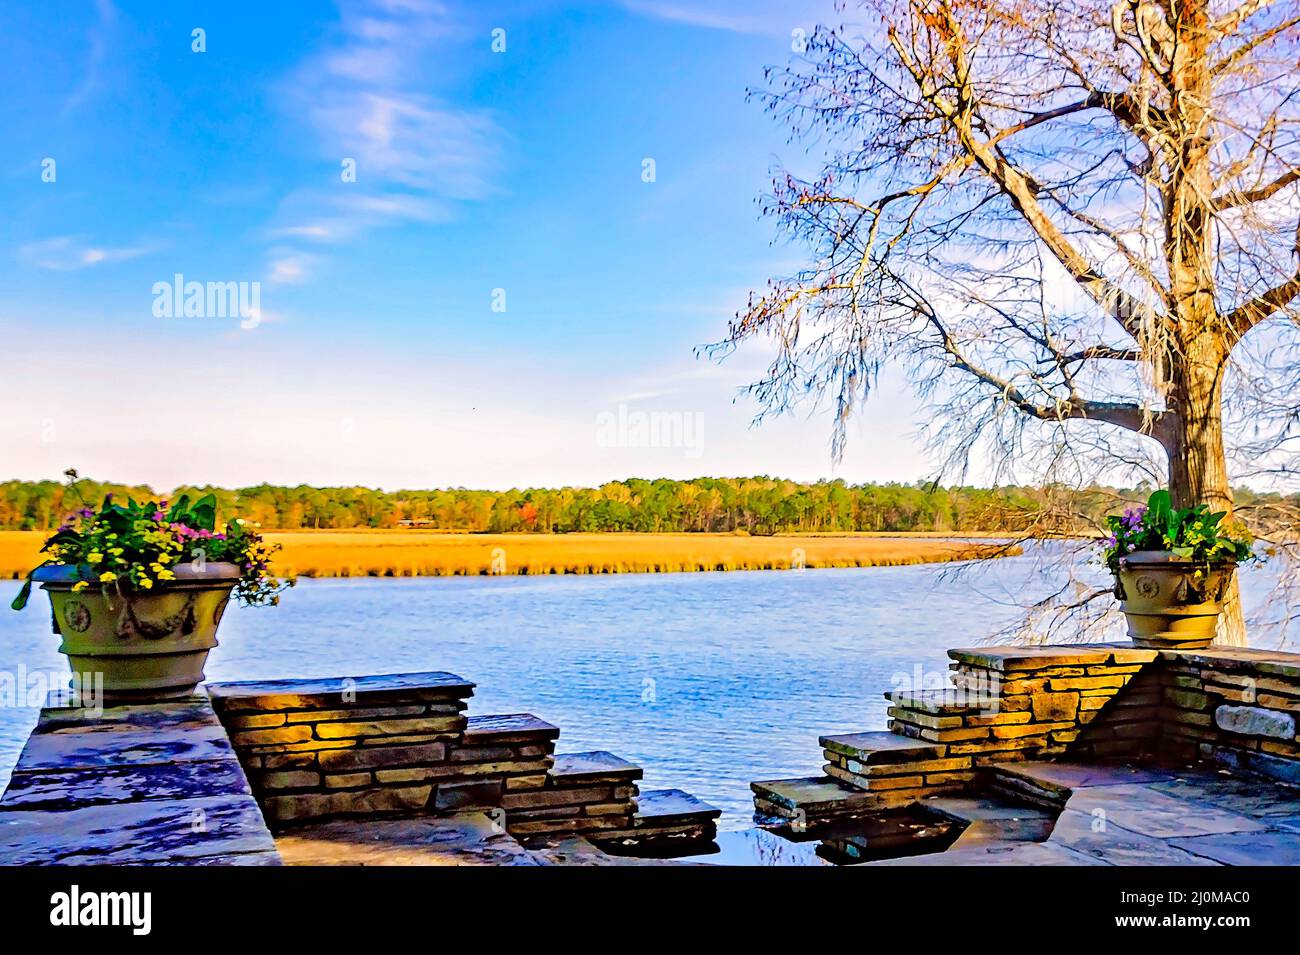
486, 729
574, 768
882, 747
813, 794
1064, 778
1033, 658
671, 807
974, 809
943, 702
333, 692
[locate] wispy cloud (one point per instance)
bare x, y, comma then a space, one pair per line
365, 99
67, 253
98, 40
289, 267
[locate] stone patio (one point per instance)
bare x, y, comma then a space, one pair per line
143, 784
1125, 815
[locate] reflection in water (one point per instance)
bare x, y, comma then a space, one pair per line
888, 835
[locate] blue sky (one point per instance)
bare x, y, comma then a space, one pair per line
377, 356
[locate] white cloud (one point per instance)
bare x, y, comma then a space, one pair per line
97, 39
365, 98
67, 253
288, 267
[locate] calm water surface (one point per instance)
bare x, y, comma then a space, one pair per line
708, 681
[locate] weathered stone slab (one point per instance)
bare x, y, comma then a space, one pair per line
881, 747
508, 728
1007, 853
815, 795
991, 819
668, 806
469, 838
575, 769
1255, 721
333, 693
943, 702
123, 743
1125, 654
161, 830
1115, 845
1032, 658
1254, 848
1265, 800
1141, 809
1276, 767
1066, 777
174, 714
78, 788
344, 802
1238, 659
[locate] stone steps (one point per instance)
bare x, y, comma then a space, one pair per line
663, 817
523, 728
401, 745
991, 819
1020, 781
584, 793
808, 800
880, 748
953, 701
897, 767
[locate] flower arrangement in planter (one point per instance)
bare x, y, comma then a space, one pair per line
1173, 567
138, 589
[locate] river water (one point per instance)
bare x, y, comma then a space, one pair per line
707, 680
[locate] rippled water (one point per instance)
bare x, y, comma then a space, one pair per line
708, 681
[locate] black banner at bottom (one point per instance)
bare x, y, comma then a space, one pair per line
524, 904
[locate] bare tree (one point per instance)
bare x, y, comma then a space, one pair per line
1077, 226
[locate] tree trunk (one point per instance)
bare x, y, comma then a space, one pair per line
1198, 467
1196, 345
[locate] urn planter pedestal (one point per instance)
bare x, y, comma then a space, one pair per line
1171, 603
148, 645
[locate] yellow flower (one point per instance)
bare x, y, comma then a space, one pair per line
146, 583
165, 574
107, 577
79, 586
94, 557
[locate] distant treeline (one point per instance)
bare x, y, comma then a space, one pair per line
758, 505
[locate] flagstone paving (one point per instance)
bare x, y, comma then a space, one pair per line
155, 784
1126, 815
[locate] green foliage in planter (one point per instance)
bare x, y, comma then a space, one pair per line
134, 546
1194, 533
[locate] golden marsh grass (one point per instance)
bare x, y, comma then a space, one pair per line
415, 553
